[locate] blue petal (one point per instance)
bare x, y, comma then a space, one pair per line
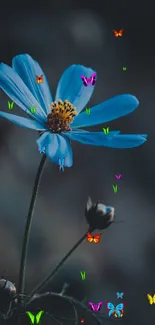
22, 121
110, 140
28, 69
15, 88
71, 88
107, 111
56, 147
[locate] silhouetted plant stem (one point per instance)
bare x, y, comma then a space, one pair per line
28, 226
52, 274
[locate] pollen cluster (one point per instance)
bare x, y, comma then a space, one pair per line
62, 114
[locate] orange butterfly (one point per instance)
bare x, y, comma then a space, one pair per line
119, 33
91, 238
39, 80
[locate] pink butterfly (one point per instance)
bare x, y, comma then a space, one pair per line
96, 307
118, 176
91, 80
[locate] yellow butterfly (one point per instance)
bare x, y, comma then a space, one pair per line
151, 299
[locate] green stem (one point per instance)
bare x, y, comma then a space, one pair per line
51, 275
28, 226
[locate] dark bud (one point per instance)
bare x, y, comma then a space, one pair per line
7, 288
7, 293
98, 215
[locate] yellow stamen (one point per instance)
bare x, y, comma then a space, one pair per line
62, 114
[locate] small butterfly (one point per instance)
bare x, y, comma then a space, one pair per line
115, 311
95, 307
35, 319
42, 150
33, 109
88, 111
105, 130
151, 299
61, 164
115, 188
10, 105
120, 295
91, 238
39, 80
119, 33
91, 80
118, 176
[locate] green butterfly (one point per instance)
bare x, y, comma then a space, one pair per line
35, 319
88, 111
10, 105
33, 109
124, 68
105, 130
115, 188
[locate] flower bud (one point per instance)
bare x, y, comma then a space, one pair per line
98, 215
7, 287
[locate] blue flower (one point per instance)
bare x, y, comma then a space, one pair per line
61, 120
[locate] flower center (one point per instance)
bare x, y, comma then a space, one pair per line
62, 114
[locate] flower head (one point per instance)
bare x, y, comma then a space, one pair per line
62, 114
98, 215
59, 121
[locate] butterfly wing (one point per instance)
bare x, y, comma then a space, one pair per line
91, 306
85, 80
117, 313
97, 238
90, 238
121, 32
98, 306
150, 299
115, 33
93, 79
154, 299
38, 316
111, 308
119, 308
41, 78
62, 161
31, 316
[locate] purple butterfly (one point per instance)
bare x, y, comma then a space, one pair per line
91, 80
96, 307
118, 176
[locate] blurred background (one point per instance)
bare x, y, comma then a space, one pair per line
58, 34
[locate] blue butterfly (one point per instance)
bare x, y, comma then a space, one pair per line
42, 150
61, 164
116, 311
120, 295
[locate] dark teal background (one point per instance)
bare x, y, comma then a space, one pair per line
58, 34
